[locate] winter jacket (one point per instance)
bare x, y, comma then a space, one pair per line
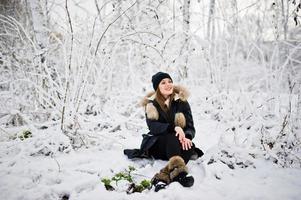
160, 122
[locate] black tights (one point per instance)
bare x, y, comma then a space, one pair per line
167, 146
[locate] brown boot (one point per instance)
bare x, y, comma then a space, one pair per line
175, 170
163, 176
161, 179
176, 165
178, 172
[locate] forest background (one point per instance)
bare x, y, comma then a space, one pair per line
72, 74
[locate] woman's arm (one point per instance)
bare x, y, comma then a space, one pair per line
157, 128
189, 128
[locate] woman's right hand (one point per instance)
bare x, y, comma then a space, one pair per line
186, 144
180, 133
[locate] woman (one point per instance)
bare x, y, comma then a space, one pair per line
169, 119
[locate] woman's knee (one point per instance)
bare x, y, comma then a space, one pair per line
172, 137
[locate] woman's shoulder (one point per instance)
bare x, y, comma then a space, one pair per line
148, 99
181, 93
150, 105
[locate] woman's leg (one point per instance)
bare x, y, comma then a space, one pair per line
158, 149
186, 154
168, 146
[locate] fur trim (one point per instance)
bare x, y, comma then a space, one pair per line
151, 111
182, 92
176, 166
163, 175
146, 99
175, 162
180, 120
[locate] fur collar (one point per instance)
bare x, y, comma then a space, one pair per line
181, 93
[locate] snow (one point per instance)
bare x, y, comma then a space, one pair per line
80, 173
27, 173
245, 99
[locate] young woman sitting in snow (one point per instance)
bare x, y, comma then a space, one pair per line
169, 119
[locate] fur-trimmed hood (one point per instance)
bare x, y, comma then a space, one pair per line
181, 93
152, 112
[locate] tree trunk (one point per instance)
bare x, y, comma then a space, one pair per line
284, 18
174, 16
298, 115
235, 18
186, 16
39, 22
186, 30
37, 14
210, 24
119, 11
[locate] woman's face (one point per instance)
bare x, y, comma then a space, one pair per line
166, 87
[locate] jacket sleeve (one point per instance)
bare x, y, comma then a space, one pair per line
157, 128
189, 129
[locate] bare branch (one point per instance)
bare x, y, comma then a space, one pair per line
69, 65
98, 43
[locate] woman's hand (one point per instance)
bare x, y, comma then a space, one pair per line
186, 144
180, 133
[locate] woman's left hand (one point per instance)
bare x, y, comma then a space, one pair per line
179, 133
186, 144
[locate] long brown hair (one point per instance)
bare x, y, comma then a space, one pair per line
160, 99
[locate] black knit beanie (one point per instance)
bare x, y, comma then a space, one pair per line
157, 78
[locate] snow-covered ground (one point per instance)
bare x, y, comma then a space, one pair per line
46, 167
245, 86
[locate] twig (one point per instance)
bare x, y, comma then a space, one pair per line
69, 66
4, 131
141, 175
261, 139
99, 9
72, 38
58, 164
100, 39
247, 7
139, 32
167, 42
147, 45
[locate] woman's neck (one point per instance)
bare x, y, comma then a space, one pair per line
166, 97
167, 101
